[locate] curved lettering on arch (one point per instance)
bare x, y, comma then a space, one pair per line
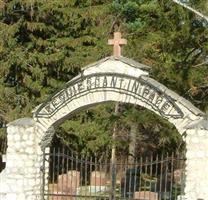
137, 88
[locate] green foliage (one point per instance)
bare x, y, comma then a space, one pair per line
45, 43
91, 130
156, 133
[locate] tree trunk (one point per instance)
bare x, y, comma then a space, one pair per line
113, 151
113, 157
132, 144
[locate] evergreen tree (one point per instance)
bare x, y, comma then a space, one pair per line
170, 39
44, 43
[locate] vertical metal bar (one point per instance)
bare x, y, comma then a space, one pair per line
99, 163
95, 172
71, 172
135, 176
171, 179
176, 184
85, 172
125, 178
62, 170
76, 174
130, 177
151, 175
181, 167
106, 164
81, 174
53, 173
67, 170
183, 173
90, 174
145, 173
140, 174
161, 175
58, 168
113, 170
156, 173
166, 174
121, 188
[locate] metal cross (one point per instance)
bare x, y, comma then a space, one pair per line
117, 42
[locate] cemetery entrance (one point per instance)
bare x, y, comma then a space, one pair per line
72, 176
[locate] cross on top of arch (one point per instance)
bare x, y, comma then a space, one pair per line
117, 42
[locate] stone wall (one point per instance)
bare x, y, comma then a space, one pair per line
2, 186
197, 164
22, 177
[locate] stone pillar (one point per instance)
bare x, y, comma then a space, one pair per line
197, 162
2, 186
23, 161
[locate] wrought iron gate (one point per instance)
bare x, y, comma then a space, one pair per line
72, 176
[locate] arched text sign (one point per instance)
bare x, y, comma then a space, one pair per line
138, 88
114, 80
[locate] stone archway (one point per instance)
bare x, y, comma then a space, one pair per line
121, 80
111, 79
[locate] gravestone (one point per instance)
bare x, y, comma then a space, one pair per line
98, 178
145, 195
60, 198
98, 182
68, 183
52, 188
54, 191
178, 175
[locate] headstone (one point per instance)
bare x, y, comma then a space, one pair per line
98, 182
98, 178
53, 190
145, 195
178, 176
129, 182
60, 197
68, 184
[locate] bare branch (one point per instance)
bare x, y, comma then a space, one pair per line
191, 9
198, 65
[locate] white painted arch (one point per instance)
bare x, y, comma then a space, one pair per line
124, 80
111, 79
116, 80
